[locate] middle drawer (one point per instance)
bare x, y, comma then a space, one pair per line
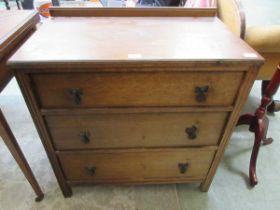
135, 130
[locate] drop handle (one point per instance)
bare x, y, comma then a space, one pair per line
76, 95
183, 167
192, 132
85, 137
91, 170
201, 93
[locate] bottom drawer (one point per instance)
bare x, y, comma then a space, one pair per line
137, 165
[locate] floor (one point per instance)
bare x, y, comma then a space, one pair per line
229, 190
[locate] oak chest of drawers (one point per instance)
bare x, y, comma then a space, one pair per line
135, 100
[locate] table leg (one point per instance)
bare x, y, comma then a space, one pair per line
15, 150
275, 104
258, 122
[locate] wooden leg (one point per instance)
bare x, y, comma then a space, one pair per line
259, 121
245, 119
275, 104
259, 127
66, 191
15, 150
264, 86
259, 133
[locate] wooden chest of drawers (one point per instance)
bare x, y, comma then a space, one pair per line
147, 109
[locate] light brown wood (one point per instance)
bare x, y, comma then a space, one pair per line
136, 164
15, 28
231, 124
44, 136
134, 107
11, 143
14, 25
138, 110
135, 130
124, 182
133, 66
136, 89
132, 12
133, 39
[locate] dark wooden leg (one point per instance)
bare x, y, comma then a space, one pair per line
66, 191
259, 132
259, 122
15, 150
258, 127
264, 86
275, 104
245, 119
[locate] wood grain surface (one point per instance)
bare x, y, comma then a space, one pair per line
15, 28
116, 39
136, 164
135, 130
136, 89
12, 24
130, 84
132, 12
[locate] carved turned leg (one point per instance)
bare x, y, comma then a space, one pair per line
264, 86
14, 148
259, 132
258, 122
275, 104
259, 127
245, 119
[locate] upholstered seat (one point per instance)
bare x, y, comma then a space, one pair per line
266, 40
264, 36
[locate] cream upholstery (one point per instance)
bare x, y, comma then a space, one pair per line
229, 13
264, 39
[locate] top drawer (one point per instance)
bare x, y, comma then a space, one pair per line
134, 89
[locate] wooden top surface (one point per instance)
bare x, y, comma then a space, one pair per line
12, 23
70, 40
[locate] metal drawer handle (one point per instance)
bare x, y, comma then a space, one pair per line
85, 137
192, 132
201, 93
91, 170
183, 167
76, 95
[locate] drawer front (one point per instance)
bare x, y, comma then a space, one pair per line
102, 166
135, 130
89, 90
